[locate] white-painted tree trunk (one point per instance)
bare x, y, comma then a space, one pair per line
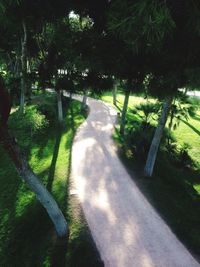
114, 91
24, 68
151, 158
17, 68
70, 95
22, 96
45, 199
84, 102
124, 111
60, 108
34, 183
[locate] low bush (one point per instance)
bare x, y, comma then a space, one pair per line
48, 108
26, 126
147, 111
139, 137
184, 157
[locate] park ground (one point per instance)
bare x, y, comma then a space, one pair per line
27, 237
26, 232
174, 190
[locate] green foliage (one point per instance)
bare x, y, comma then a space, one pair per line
192, 111
194, 101
27, 237
139, 137
49, 109
184, 158
181, 110
26, 126
164, 83
79, 23
142, 24
177, 113
187, 132
147, 110
175, 188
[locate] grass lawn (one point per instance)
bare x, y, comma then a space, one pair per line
173, 191
27, 237
187, 132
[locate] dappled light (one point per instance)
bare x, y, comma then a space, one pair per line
126, 228
88, 183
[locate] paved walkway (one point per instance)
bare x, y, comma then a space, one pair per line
127, 230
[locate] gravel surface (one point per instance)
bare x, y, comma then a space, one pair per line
127, 230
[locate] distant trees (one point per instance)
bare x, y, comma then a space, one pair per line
166, 35
100, 42
19, 21
178, 55
40, 38
11, 147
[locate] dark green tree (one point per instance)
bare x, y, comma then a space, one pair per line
164, 32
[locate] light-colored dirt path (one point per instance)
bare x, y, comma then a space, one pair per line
127, 230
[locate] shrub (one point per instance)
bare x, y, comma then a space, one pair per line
49, 111
147, 110
184, 157
139, 138
48, 107
195, 101
26, 126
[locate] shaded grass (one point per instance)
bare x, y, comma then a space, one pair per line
187, 131
173, 191
27, 236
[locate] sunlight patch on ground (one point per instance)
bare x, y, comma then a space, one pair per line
197, 188
146, 261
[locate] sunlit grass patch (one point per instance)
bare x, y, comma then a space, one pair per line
197, 188
188, 131
174, 189
25, 229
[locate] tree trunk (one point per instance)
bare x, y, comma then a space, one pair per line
60, 108
17, 68
70, 95
115, 94
151, 158
28, 81
84, 102
24, 68
11, 64
124, 111
24, 170
34, 183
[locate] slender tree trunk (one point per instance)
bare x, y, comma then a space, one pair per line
115, 94
11, 64
17, 68
70, 95
60, 108
186, 90
24, 67
171, 117
28, 81
34, 183
23, 169
151, 158
124, 111
84, 101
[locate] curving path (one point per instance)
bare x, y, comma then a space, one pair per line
126, 229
